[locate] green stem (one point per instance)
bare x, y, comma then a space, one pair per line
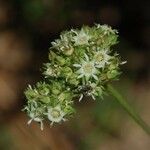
128, 108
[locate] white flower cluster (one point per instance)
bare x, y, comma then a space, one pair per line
81, 63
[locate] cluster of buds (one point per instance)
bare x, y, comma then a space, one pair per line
81, 63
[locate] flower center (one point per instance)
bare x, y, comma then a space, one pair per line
55, 113
88, 68
99, 57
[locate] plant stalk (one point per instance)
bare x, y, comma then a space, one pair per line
128, 108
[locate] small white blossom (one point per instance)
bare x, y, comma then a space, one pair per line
35, 118
107, 29
55, 114
95, 90
101, 58
81, 38
67, 50
87, 69
33, 114
64, 38
56, 43
49, 71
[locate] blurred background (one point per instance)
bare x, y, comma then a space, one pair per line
27, 28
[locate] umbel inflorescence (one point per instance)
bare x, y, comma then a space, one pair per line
81, 63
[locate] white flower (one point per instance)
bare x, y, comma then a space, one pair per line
101, 58
95, 91
92, 92
67, 49
56, 43
81, 38
107, 29
59, 43
55, 114
64, 38
49, 71
33, 114
87, 69
35, 118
